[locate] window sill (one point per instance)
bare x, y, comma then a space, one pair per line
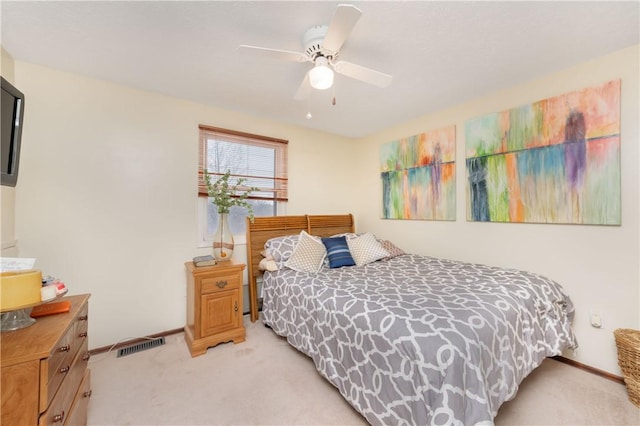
239, 240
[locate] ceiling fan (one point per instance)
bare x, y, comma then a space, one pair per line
322, 45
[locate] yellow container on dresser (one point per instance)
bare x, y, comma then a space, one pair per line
45, 380
19, 289
214, 306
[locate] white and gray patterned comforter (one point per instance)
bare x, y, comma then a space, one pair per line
420, 340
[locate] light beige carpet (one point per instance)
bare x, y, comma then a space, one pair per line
264, 381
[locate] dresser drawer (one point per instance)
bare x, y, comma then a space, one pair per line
54, 369
220, 283
57, 366
79, 408
62, 400
81, 325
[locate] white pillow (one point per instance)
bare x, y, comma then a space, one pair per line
309, 254
268, 265
366, 249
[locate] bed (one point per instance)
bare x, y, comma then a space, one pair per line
406, 339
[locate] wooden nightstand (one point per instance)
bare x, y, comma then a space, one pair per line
214, 306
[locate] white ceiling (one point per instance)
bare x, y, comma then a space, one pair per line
439, 53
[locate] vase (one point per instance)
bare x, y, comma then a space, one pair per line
223, 240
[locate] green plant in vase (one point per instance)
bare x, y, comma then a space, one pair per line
226, 195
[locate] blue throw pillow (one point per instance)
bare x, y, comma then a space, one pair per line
338, 252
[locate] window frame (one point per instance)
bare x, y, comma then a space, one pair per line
280, 179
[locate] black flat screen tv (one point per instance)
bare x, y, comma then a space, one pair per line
11, 116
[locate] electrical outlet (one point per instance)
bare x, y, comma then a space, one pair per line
596, 319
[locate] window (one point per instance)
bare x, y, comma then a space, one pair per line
259, 159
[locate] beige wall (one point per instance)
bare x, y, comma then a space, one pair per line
106, 198
597, 265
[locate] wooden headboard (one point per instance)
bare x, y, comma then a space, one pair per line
264, 228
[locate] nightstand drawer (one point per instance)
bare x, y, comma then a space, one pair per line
220, 283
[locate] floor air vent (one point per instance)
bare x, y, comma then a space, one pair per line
149, 344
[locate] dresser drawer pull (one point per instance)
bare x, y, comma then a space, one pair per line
221, 283
83, 318
83, 334
87, 394
64, 370
58, 418
64, 348
86, 356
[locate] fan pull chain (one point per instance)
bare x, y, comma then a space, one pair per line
333, 102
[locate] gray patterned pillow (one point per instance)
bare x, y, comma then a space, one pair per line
281, 248
309, 254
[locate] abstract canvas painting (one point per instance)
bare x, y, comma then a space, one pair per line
418, 176
552, 161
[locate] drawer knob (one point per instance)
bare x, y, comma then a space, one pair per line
64, 348
87, 394
83, 318
58, 418
221, 283
86, 356
83, 334
64, 370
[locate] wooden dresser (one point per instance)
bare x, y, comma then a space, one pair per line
45, 380
214, 306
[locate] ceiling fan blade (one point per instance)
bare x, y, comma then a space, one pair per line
361, 73
344, 19
284, 55
304, 90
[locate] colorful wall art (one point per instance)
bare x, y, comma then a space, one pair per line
419, 176
552, 161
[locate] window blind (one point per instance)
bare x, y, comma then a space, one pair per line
261, 160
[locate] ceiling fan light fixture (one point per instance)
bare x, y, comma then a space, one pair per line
321, 76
